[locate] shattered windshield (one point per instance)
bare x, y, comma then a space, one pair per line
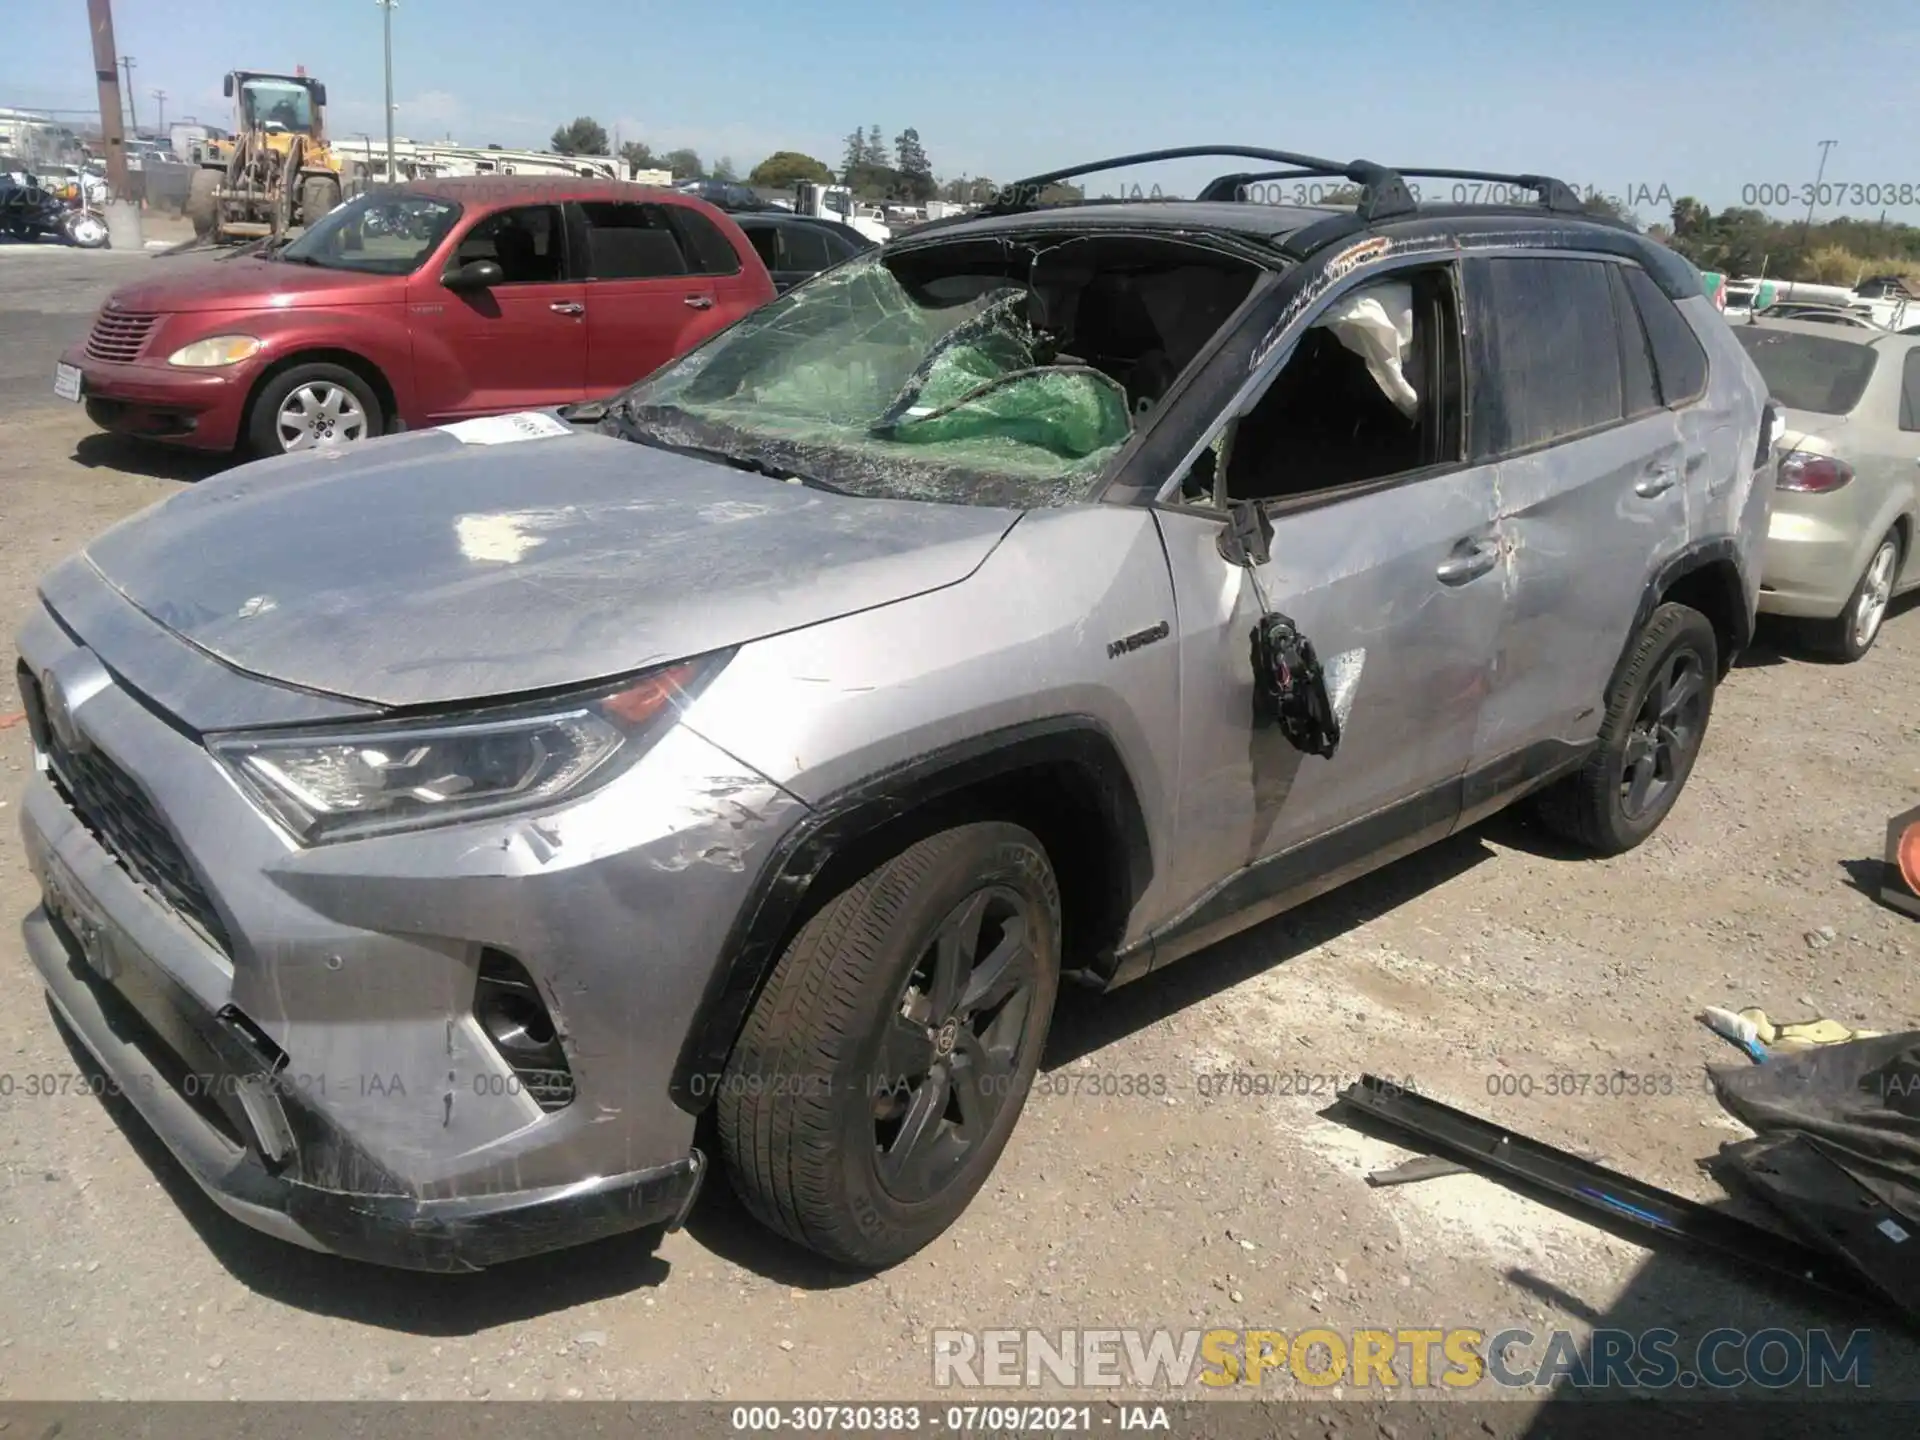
858, 382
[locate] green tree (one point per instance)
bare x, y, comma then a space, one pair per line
874, 152
638, 155
1690, 218
685, 164
910, 159
723, 169
585, 136
784, 169
855, 157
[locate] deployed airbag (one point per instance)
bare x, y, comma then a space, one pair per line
1376, 323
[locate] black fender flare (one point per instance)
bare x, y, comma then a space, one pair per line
754, 942
1701, 556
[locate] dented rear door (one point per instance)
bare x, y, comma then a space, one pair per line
1591, 476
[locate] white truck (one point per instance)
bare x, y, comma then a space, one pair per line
836, 202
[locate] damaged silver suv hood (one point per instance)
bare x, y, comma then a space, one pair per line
421, 570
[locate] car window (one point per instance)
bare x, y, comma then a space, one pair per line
1637, 377
1810, 372
1354, 403
805, 247
1910, 391
631, 242
708, 251
383, 232
1679, 363
1543, 352
525, 242
765, 240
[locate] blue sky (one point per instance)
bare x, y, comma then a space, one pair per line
1705, 98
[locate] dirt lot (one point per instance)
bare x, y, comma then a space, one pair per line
1482, 966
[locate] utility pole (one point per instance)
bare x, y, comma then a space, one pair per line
386, 17
1806, 230
106, 72
160, 97
127, 63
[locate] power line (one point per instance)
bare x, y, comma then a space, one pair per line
161, 97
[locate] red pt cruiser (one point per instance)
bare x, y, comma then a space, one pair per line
416, 305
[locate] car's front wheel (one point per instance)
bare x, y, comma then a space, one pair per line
1656, 719
1851, 633
307, 407
886, 1062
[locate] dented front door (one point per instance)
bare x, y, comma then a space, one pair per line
1400, 592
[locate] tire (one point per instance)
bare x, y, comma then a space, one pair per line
1630, 782
318, 195
356, 411
201, 207
842, 1058
1851, 633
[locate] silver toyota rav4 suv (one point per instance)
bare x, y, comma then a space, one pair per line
432, 831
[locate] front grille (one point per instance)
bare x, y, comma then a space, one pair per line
118, 335
114, 808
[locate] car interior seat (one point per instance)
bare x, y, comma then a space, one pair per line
514, 248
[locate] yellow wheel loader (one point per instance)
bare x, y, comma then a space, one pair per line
278, 170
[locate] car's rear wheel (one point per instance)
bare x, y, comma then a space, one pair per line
310, 407
1656, 719
1851, 633
886, 1062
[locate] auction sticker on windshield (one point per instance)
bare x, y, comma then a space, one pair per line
505, 429
66, 381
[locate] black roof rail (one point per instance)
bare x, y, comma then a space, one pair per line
1554, 194
1382, 191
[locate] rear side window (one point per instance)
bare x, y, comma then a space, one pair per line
1678, 361
766, 244
806, 248
631, 242
1543, 349
708, 250
1637, 376
1810, 372
1910, 391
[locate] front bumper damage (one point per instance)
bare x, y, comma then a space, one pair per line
302, 1028
225, 1152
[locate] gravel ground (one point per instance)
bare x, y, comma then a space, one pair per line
1479, 969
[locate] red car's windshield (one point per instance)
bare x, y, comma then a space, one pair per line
380, 233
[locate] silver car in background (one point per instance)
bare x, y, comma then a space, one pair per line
1841, 543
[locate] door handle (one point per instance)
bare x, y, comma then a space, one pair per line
567, 307
1654, 482
1466, 565
699, 302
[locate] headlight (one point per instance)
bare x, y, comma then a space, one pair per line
339, 784
216, 350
